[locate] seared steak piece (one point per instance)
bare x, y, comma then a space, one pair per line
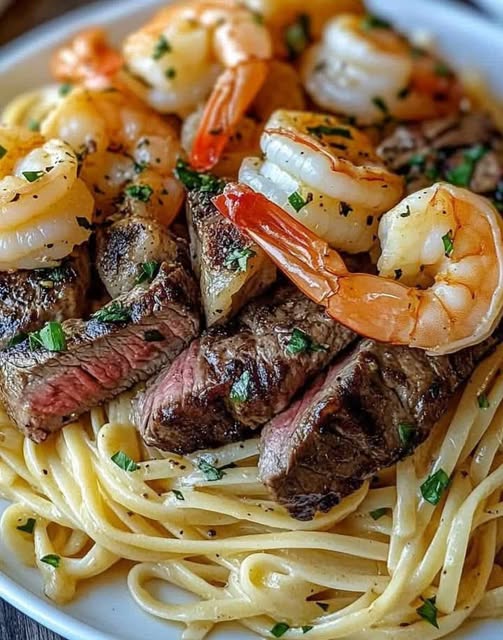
30, 297
236, 378
124, 246
466, 150
370, 410
231, 268
128, 341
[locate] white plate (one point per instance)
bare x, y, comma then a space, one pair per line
493, 6
104, 609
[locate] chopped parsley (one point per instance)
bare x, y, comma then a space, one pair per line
306, 628
56, 274
170, 73
161, 47
28, 526
344, 209
211, 473
378, 513
17, 339
191, 179
64, 89
381, 105
123, 461
141, 192
237, 259
323, 606
3, 151
147, 271
434, 486
298, 36
417, 160
32, 176
429, 611
240, 389
374, 22
483, 401
462, 174
406, 433
152, 335
301, 342
448, 242
324, 130
442, 70
114, 312
178, 494
50, 337
398, 274
52, 560
279, 629
297, 201
33, 125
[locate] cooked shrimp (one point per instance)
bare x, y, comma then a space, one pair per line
447, 239
365, 69
88, 59
326, 174
178, 57
129, 152
45, 209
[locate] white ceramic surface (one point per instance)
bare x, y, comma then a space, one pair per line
103, 609
495, 7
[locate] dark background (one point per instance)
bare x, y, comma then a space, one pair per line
20, 17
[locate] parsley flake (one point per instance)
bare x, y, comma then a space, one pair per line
147, 271
205, 182
50, 337
298, 36
114, 312
52, 560
434, 486
429, 611
306, 628
374, 22
301, 342
323, 606
161, 47
123, 461
64, 89
297, 201
483, 401
17, 339
279, 629
32, 176
448, 242
141, 192
324, 130
381, 105
211, 473
406, 433
442, 70
170, 73
378, 513
33, 125
240, 389
3, 151
178, 494
28, 526
237, 260
462, 174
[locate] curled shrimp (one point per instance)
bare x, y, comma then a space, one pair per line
365, 69
45, 209
326, 174
88, 59
175, 62
445, 238
128, 151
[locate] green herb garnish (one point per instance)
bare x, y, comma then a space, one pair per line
297, 201
442, 70
123, 461
306, 628
240, 389
406, 433
178, 494
448, 242
301, 342
147, 271
32, 176
298, 36
205, 182
141, 192
3, 151
434, 486
51, 559
50, 337
323, 605
381, 105
374, 22
324, 130
237, 259
114, 312
462, 174
161, 47
33, 125
429, 611
28, 526
378, 513
64, 89
279, 629
483, 401
17, 339
170, 73
211, 473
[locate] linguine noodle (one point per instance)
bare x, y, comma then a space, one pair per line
361, 571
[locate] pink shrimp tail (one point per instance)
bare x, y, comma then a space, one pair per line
231, 97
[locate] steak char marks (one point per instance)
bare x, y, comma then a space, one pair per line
236, 378
131, 339
348, 426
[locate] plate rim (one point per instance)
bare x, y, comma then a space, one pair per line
37, 606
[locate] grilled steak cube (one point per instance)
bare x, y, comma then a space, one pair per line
129, 340
236, 378
30, 297
124, 246
231, 268
351, 422
466, 150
